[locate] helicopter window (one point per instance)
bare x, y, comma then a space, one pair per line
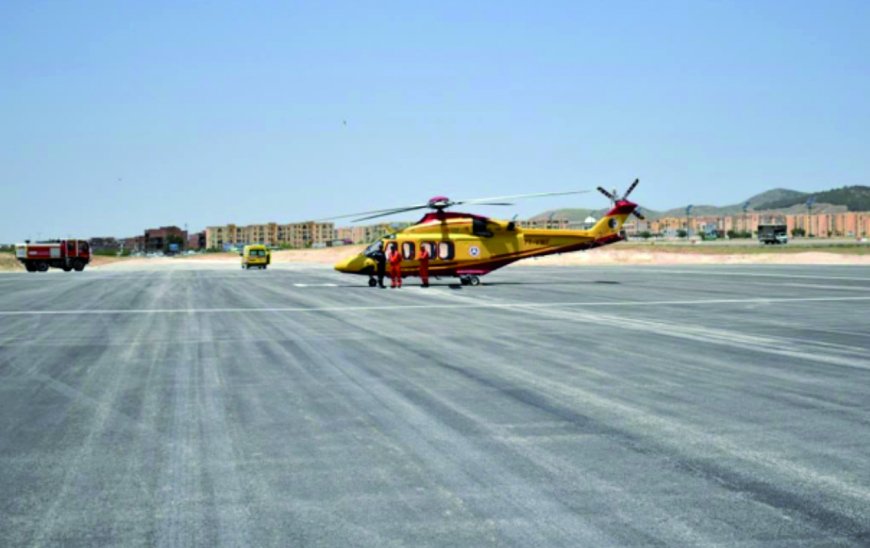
479, 228
408, 251
372, 248
445, 251
430, 247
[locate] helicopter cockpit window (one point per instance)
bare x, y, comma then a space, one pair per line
479, 228
372, 248
408, 251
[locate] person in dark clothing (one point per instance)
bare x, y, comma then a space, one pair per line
380, 259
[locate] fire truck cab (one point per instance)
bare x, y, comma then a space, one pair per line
64, 254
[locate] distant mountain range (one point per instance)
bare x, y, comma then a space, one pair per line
783, 200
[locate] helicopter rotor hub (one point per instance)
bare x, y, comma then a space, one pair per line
439, 202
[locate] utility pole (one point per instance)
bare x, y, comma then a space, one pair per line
745, 222
688, 221
810, 201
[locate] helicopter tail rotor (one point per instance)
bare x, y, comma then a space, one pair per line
630, 188
615, 197
608, 194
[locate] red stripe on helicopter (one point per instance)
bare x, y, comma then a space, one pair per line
622, 207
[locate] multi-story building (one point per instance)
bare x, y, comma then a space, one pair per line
272, 234
196, 240
367, 233
849, 224
159, 239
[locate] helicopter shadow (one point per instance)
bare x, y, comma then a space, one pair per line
593, 282
460, 287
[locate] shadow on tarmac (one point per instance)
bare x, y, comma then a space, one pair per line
482, 283
594, 282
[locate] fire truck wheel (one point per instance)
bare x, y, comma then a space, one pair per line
30, 266
42, 266
66, 268
78, 266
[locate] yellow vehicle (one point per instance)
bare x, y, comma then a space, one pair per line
255, 256
469, 246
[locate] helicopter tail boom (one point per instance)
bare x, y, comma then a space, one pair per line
612, 222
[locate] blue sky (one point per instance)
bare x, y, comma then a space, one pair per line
117, 116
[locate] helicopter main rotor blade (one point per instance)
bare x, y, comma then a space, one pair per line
638, 215
375, 212
627, 192
517, 197
496, 200
387, 213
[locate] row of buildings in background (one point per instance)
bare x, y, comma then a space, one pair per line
316, 234
166, 239
297, 235
849, 224
170, 239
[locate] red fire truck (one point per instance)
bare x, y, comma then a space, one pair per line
65, 254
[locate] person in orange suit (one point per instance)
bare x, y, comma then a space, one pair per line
395, 260
424, 264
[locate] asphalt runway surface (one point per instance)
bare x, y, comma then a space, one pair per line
203, 405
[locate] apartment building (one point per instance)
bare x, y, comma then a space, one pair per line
272, 234
850, 224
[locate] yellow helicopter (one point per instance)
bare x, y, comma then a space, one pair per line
468, 246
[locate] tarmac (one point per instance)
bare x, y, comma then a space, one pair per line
203, 405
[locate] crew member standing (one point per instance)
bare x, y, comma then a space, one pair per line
395, 260
424, 264
381, 260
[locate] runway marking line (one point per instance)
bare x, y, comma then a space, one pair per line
396, 307
726, 272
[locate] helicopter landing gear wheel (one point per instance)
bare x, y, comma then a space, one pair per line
469, 280
372, 282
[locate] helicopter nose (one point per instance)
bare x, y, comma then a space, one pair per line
352, 264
